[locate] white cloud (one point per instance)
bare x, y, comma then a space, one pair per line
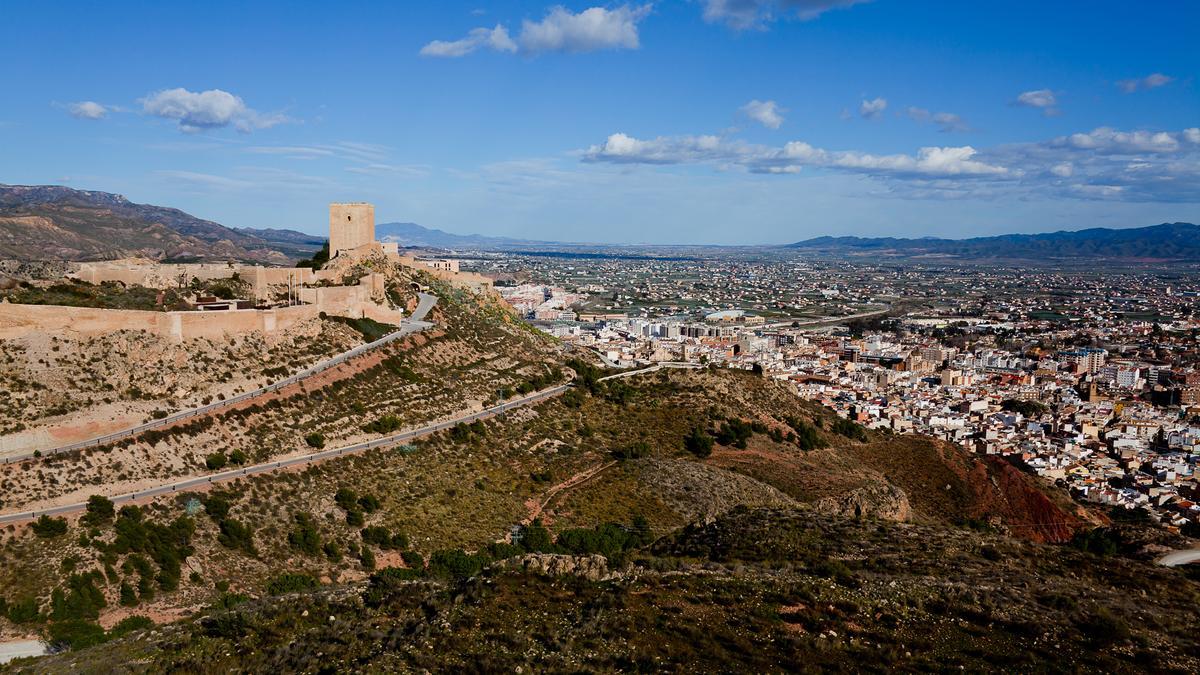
590, 30
493, 38
945, 121
1038, 98
756, 14
1042, 99
1108, 164
1107, 140
212, 109
1151, 81
561, 30
790, 158
87, 110
872, 109
766, 113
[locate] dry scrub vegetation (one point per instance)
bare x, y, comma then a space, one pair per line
616, 455
52, 381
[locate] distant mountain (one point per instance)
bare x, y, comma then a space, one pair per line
297, 245
411, 234
50, 222
1168, 241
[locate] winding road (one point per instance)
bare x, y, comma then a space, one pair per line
265, 467
415, 323
1177, 558
20, 648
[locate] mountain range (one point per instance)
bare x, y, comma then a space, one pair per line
412, 234
48, 222
1168, 241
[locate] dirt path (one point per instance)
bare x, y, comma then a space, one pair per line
536, 508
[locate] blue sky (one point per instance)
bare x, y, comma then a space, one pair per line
685, 121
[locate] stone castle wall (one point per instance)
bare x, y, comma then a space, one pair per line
157, 275
18, 320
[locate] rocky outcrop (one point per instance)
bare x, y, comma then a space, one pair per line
881, 500
591, 567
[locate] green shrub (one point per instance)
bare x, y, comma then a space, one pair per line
24, 611
849, 429
291, 582
74, 634
734, 433
47, 527
332, 551
635, 450
534, 537
698, 443
379, 536
216, 505
128, 596
384, 425
345, 498
455, 563
216, 460
384, 584
369, 503
315, 440
167, 545
413, 559
100, 511
305, 537
78, 599
236, 535
130, 624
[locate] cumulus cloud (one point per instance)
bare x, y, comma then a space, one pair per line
561, 30
492, 38
1103, 164
872, 109
1151, 81
204, 110
87, 110
756, 14
945, 121
1042, 99
766, 113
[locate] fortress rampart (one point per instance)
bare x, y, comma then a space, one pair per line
352, 235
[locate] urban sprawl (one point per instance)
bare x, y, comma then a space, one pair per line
1090, 378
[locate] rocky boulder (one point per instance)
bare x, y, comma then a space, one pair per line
880, 500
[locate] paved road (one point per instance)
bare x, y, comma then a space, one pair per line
19, 648
386, 441
1177, 558
413, 324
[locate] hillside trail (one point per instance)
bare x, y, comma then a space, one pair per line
536, 507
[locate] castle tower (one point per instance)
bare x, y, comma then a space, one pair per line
351, 224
